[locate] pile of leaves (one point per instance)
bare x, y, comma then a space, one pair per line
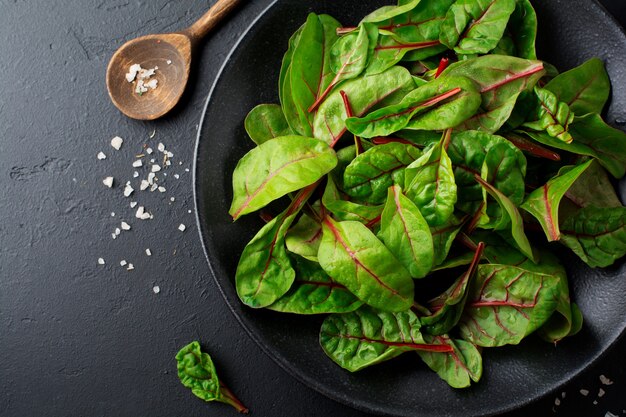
425, 140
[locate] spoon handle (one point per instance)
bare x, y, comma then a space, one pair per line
211, 18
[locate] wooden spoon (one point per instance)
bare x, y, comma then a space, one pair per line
171, 53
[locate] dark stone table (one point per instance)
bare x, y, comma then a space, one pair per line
82, 339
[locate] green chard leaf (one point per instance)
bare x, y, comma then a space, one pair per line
475, 26
197, 372
304, 238
440, 104
593, 188
366, 337
264, 272
443, 236
501, 80
349, 54
405, 233
347, 210
429, 183
551, 115
281, 165
355, 258
543, 203
585, 89
522, 28
371, 173
314, 292
265, 122
596, 235
458, 367
447, 307
365, 94
507, 303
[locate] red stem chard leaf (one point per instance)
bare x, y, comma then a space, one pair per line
457, 367
592, 137
348, 56
551, 115
447, 307
592, 188
387, 13
276, 168
522, 28
347, 210
284, 86
510, 216
443, 236
437, 105
264, 272
475, 26
543, 203
197, 372
507, 303
501, 80
366, 93
596, 235
429, 183
314, 292
265, 122
310, 71
585, 89
370, 174
367, 337
532, 148
304, 238
405, 233
355, 258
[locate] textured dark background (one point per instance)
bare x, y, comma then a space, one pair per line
80, 339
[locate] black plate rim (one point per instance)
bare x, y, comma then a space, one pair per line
276, 356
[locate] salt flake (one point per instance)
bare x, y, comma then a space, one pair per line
182, 227
116, 142
108, 181
101, 156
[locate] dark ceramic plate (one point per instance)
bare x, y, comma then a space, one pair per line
571, 31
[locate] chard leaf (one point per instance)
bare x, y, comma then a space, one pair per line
501, 79
543, 203
443, 236
510, 216
371, 173
475, 26
405, 233
366, 337
447, 307
284, 86
304, 238
197, 372
440, 104
430, 184
314, 292
347, 210
355, 258
593, 187
265, 122
349, 54
585, 89
523, 29
507, 303
386, 13
282, 165
457, 367
552, 115
596, 235
365, 93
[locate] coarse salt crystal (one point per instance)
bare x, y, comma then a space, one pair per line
128, 190
169, 61
144, 185
152, 161
161, 147
189, 211
156, 289
130, 267
112, 214
123, 263
172, 199
168, 162
116, 142
133, 204
132, 72
563, 394
162, 189
176, 176
137, 163
595, 402
117, 231
101, 156
584, 392
151, 177
100, 261
156, 168
125, 226
153, 187
186, 169
148, 252
113, 235
182, 227
601, 393
149, 151
108, 181
152, 84
605, 380
557, 402
169, 154
135, 174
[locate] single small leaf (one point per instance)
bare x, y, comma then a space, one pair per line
507, 303
585, 89
265, 122
458, 367
386, 13
510, 216
551, 115
348, 56
523, 29
197, 372
304, 238
355, 258
281, 165
596, 235
284, 86
370, 174
475, 26
366, 337
543, 203
443, 236
405, 233
314, 292
593, 188
366, 93
347, 210
391, 49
